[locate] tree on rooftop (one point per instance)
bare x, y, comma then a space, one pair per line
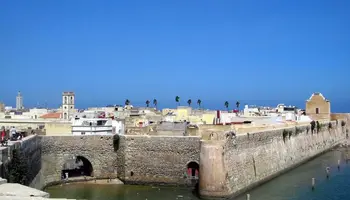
155, 102
199, 102
226, 105
127, 102
189, 102
177, 99
237, 104
147, 103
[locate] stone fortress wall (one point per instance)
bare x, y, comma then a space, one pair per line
228, 166
30, 147
157, 159
58, 150
236, 164
132, 159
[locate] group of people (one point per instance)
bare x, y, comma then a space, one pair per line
3, 137
13, 133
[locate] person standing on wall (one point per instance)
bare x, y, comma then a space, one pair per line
13, 133
3, 136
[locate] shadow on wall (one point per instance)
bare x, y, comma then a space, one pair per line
76, 167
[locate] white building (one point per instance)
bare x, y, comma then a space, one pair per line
281, 108
34, 113
19, 101
226, 117
68, 99
251, 112
91, 125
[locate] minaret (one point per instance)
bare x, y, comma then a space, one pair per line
68, 99
19, 101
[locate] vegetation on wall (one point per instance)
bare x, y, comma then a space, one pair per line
284, 135
290, 133
330, 126
313, 124
18, 169
318, 127
298, 130
343, 123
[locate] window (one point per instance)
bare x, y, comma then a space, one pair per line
101, 123
65, 100
317, 110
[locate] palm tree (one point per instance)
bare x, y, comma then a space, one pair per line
237, 105
226, 105
147, 103
199, 102
127, 102
177, 99
189, 102
155, 102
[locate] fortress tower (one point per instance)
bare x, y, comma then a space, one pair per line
68, 99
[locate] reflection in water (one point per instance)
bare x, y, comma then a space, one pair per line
120, 192
294, 185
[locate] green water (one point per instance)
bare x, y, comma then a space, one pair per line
119, 192
294, 185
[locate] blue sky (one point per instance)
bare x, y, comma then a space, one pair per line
106, 51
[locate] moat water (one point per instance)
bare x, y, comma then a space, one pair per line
293, 185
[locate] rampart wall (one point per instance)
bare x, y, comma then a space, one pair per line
58, 150
236, 164
30, 150
156, 159
228, 166
132, 159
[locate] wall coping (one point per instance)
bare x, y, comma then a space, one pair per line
282, 128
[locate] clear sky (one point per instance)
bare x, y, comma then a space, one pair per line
258, 51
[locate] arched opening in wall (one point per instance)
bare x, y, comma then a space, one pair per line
77, 167
193, 170
192, 173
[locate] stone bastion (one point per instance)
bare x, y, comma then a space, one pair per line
227, 167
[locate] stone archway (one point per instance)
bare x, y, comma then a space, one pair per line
77, 167
193, 170
192, 173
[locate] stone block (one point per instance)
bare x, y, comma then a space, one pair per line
2, 181
14, 189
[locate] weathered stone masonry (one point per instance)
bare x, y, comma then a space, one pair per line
227, 167
30, 147
230, 167
133, 159
158, 159
57, 150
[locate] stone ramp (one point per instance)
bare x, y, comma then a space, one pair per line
15, 191
18, 190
